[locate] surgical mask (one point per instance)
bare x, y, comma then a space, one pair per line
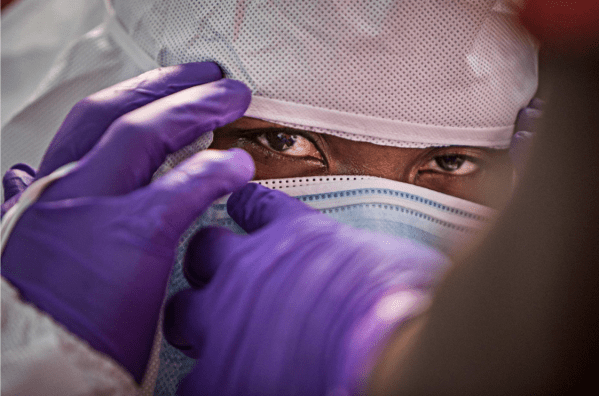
444, 222
441, 221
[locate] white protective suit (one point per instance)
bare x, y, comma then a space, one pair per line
405, 73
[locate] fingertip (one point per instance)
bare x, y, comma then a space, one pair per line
232, 168
206, 251
184, 75
186, 191
254, 206
238, 96
536, 103
181, 329
243, 162
208, 70
240, 198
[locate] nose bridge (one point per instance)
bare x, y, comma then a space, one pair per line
360, 158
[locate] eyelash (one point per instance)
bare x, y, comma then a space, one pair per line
477, 162
254, 134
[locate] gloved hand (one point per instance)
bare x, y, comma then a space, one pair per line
300, 306
527, 124
96, 249
90, 118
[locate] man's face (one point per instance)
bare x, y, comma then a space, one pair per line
475, 174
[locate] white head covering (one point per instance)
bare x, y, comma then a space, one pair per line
403, 73
407, 73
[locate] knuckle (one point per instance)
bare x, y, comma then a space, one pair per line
84, 107
131, 132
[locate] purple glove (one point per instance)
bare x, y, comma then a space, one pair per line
89, 119
14, 182
300, 306
95, 251
527, 124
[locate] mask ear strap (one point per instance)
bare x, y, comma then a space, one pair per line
28, 198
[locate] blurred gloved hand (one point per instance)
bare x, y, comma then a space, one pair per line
527, 124
96, 249
299, 306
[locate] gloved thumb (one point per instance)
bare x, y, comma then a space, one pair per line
254, 206
185, 192
527, 124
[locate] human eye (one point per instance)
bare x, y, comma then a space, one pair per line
288, 143
465, 172
453, 164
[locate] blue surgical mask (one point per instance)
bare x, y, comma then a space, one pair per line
441, 221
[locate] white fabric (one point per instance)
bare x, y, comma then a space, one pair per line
443, 222
34, 32
372, 129
421, 65
454, 210
40, 357
405, 72
90, 63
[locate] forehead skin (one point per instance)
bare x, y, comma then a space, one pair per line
347, 157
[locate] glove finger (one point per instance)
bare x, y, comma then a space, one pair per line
536, 103
182, 324
90, 118
208, 248
528, 120
173, 202
255, 206
136, 144
519, 149
17, 179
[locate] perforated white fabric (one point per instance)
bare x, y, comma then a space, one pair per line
407, 73
404, 73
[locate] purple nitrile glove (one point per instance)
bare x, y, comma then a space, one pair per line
14, 182
96, 249
527, 124
300, 306
89, 119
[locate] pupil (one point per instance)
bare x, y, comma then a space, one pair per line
281, 141
450, 162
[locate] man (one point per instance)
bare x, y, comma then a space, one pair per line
430, 126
